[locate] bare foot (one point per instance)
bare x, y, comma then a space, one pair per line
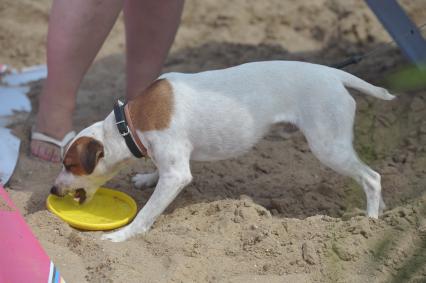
55, 121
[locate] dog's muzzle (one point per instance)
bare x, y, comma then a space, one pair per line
54, 191
79, 195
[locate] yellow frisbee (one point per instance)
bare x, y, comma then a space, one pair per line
109, 209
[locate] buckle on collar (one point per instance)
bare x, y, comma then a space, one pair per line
124, 130
123, 134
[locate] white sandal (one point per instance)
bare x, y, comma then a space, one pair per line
37, 136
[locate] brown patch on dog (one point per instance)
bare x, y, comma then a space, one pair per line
83, 155
152, 109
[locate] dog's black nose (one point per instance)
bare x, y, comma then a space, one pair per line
54, 190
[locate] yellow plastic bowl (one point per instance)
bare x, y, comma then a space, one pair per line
109, 209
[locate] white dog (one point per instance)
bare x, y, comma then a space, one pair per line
217, 115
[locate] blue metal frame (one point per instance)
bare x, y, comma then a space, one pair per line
401, 28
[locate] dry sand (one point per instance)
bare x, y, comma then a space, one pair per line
275, 214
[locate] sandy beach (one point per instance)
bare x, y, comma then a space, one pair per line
274, 214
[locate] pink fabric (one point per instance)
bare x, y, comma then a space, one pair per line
22, 259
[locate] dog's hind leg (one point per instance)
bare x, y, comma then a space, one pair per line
343, 159
329, 134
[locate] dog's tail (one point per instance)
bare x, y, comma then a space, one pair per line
354, 82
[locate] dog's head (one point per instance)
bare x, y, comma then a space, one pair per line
89, 161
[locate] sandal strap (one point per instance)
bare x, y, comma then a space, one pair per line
60, 143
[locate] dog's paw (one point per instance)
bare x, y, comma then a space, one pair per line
116, 237
145, 180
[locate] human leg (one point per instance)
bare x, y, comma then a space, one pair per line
150, 29
77, 30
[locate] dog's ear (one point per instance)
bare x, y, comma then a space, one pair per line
91, 154
83, 155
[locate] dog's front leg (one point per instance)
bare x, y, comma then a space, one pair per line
147, 180
171, 181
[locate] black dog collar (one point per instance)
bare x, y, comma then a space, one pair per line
123, 129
